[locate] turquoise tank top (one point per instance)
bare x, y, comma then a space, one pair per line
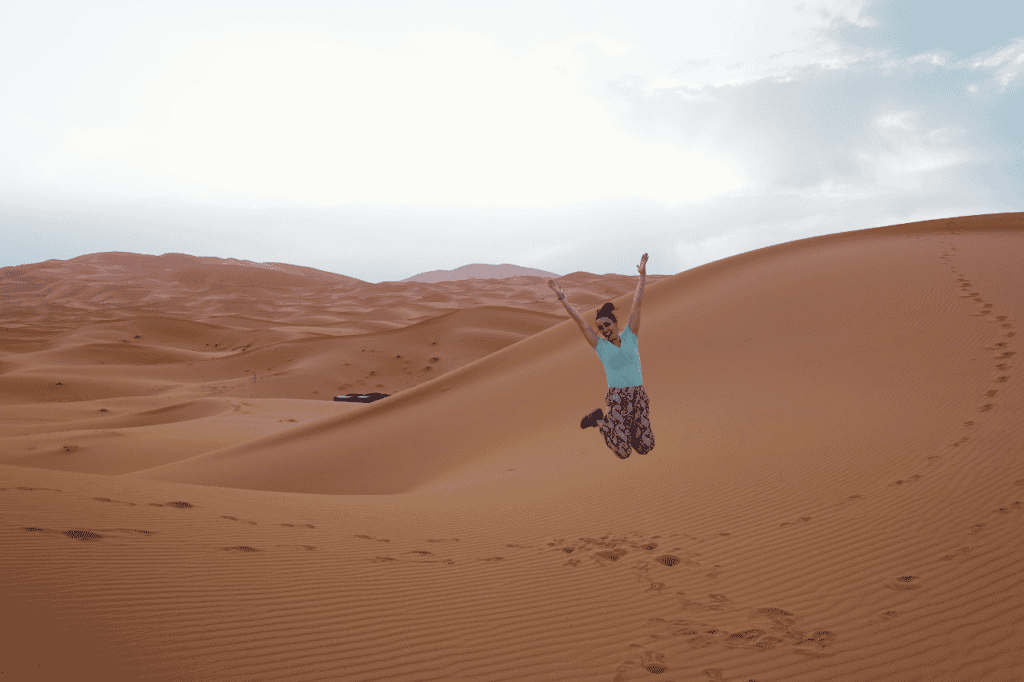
621, 365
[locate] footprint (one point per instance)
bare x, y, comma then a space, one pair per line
367, 537
978, 528
960, 442
818, 644
308, 548
107, 499
769, 642
456, 540
745, 638
986, 408
241, 548
905, 582
1019, 481
706, 637
232, 518
611, 554
969, 423
22, 487
650, 663
1010, 508
714, 674
902, 481
82, 535
780, 617
670, 560
180, 505
290, 525
992, 393
855, 497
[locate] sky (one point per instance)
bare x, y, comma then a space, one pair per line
380, 140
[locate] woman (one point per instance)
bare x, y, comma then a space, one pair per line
627, 424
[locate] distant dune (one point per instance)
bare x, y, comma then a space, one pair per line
479, 271
836, 492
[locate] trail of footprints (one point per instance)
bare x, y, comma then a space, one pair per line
768, 628
101, 533
1002, 353
1001, 349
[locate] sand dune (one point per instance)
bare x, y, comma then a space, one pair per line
836, 493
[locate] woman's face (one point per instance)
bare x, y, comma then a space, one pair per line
607, 329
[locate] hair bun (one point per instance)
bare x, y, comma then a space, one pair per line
606, 311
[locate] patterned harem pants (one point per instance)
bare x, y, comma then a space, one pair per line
627, 422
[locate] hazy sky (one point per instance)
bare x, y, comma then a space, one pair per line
382, 139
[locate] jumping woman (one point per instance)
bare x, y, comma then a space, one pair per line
627, 424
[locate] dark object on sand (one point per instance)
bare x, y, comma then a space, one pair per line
592, 419
360, 397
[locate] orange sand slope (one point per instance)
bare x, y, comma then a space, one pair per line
836, 493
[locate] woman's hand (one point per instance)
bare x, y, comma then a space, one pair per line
643, 265
555, 288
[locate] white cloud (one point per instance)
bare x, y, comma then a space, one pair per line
904, 149
1007, 63
833, 12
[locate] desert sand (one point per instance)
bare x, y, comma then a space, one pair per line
836, 493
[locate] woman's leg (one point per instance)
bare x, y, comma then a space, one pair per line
613, 425
641, 437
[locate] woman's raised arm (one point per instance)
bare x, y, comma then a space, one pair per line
587, 330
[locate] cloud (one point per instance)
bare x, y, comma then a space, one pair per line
876, 126
1006, 64
832, 13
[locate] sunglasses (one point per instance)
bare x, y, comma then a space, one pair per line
602, 326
